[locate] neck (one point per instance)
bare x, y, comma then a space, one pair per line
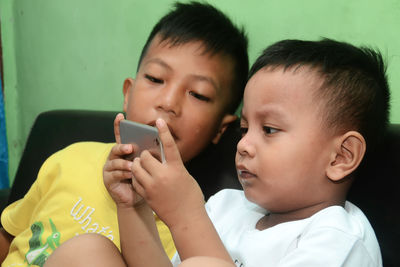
274, 218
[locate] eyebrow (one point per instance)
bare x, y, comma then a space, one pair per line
159, 62
272, 110
269, 111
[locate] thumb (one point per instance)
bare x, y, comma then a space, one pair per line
171, 151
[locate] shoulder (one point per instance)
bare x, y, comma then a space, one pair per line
87, 147
77, 158
345, 229
365, 232
349, 219
224, 196
231, 202
77, 154
84, 150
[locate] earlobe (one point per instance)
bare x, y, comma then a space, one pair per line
226, 120
349, 152
126, 88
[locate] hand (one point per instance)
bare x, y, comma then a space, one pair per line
167, 187
117, 174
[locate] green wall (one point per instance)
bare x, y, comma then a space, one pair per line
75, 54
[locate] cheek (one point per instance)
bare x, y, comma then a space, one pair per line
292, 165
195, 136
134, 114
201, 121
282, 162
196, 131
137, 108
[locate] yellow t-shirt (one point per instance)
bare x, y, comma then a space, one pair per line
68, 198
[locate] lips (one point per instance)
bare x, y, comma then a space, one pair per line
245, 176
244, 173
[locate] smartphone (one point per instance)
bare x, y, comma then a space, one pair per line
143, 137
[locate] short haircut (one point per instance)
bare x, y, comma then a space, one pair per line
355, 91
196, 21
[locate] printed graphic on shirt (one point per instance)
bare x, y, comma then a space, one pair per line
38, 250
83, 215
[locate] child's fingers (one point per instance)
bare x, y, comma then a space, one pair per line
120, 150
118, 176
138, 187
116, 171
170, 148
118, 165
141, 179
117, 120
149, 163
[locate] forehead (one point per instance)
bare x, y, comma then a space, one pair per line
291, 90
194, 50
191, 59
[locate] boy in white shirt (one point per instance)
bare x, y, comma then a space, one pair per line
310, 109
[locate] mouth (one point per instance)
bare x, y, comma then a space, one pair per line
244, 173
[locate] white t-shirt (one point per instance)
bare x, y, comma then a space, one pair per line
334, 236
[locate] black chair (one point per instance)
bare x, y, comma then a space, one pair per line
54, 130
375, 189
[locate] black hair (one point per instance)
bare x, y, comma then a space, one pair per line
355, 91
195, 21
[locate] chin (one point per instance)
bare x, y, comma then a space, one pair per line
248, 194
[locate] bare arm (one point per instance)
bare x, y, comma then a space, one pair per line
177, 199
198, 237
140, 242
5, 241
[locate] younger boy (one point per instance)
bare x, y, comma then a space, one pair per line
311, 110
191, 73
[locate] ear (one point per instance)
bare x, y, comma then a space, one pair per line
349, 150
226, 120
126, 88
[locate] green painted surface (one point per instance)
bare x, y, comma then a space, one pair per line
75, 54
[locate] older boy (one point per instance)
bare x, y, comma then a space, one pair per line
311, 110
191, 73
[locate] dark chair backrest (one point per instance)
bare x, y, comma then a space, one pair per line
56, 129
375, 189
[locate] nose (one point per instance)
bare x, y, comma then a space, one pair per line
170, 100
245, 146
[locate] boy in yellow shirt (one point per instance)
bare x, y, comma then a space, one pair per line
191, 73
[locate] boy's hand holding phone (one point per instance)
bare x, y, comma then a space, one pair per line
117, 172
167, 187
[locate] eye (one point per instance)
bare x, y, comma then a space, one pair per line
243, 130
153, 79
269, 130
199, 96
